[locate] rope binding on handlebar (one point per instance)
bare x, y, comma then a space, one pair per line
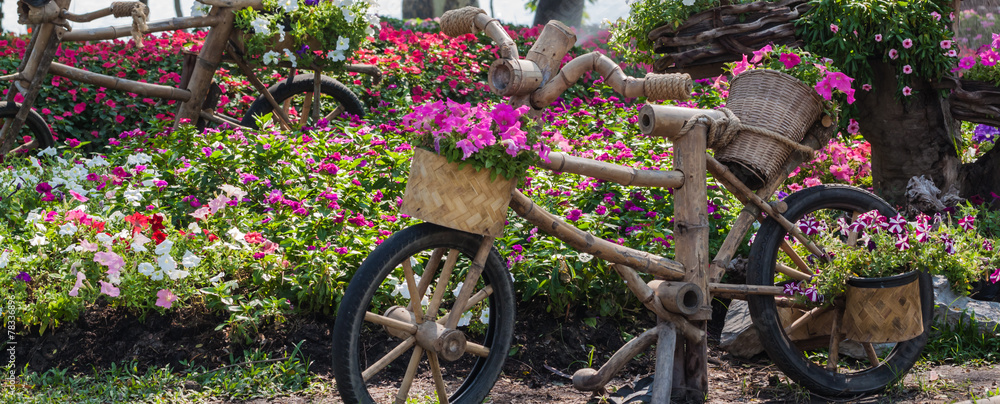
139, 13
459, 22
722, 132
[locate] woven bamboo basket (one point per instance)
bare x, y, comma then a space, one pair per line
883, 309
771, 100
464, 199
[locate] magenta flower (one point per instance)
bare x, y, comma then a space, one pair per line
759, 55
790, 60
902, 242
853, 127
967, 223
949, 244
897, 224
741, 66
812, 294
468, 148
987, 245
967, 62
834, 28
825, 89
989, 58
936, 15
921, 235
995, 277
165, 298
792, 289
809, 226
907, 69
574, 215
866, 87
907, 43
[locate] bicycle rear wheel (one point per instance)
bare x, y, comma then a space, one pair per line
34, 128
377, 363
804, 354
298, 101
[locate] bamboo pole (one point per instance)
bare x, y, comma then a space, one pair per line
476, 349
390, 322
220, 119
46, 37
802, 321
388, 358
613, 172
411, 285
667, 120
792, 273
317, 94
44, 62
547, 55
234, 3
648, 297
471, 278
691, 247
870, 352
586, 242
798, 260
119, 84
86, 17
714, 288
208, 62
430, 269
442, 284
174, 24
831, 363
588, 379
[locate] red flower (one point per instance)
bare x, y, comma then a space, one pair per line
254, 238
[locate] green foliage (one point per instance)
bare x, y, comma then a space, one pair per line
962, 341
855, 32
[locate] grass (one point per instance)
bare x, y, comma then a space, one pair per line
962, 343
255, 375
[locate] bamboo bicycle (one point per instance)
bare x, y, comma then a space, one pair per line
447, 295
296, 101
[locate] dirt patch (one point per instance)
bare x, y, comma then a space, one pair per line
548, 349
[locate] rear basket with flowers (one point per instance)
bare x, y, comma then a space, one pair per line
466, 163
305, 33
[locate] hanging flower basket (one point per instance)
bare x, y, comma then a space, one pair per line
440, 192
882, 310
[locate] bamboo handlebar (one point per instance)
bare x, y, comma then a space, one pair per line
613, 172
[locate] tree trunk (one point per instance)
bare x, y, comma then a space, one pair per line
982, 177
433, 8
569, 12
909, 137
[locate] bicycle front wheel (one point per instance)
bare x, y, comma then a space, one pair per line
802, 351
298, 101
382, 354
34, 128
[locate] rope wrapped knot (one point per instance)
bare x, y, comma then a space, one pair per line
722, 132
461, 21
139, 13
672, 86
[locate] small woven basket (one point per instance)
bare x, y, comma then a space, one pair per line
464, 199
883, 309
771, 100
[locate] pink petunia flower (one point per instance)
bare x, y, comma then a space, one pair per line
866, 87
946, 44
967, 62
952, 53
79, 283
936, 15
113, 261
907, 91
165, 298
878, 37
834, 28
790, 60
853, 127
893, 54
989, 58
907, 43
759, 55
109, 289
907, 69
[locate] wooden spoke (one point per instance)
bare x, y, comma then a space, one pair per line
411, 285
852, 236
317, 93
286, 106
391, 322
791, 303
388, 358
442, 390
802, 321
474, 300
831, 362
430, 268
307, 104
442, 284
799, 262
471, 278
335, 113
870, 352
411, 371
791, 272
476, 349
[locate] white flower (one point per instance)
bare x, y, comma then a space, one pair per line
348, 15
288, 5
217, 278
4, 259
236, 235
146, 268
67, 229
190, 260
164, 247
465, 319
114, 217
138, 241
485, 317
115, 277
260, 26
194, 228
139, 158
290, 56
584, 257
178, 274
198, 9
458, 289
271, 57
70, 248
688, 2
97, 162
233, 191
133, 195
48, 151
343, 43
166, 263
33, 217
39, 240
104, 239
336, 55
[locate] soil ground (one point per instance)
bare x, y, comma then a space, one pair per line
548, 349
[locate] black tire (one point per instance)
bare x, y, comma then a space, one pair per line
34, 126
357, 343
855, 377
300, 92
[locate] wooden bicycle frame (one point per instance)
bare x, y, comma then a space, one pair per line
692, 274
38, 63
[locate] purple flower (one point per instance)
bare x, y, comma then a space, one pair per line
984, 133
995, 277
311, 2
897, 224
43, 188
574, 215
23, 277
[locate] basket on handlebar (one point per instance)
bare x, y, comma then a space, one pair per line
440, 192
771, 100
